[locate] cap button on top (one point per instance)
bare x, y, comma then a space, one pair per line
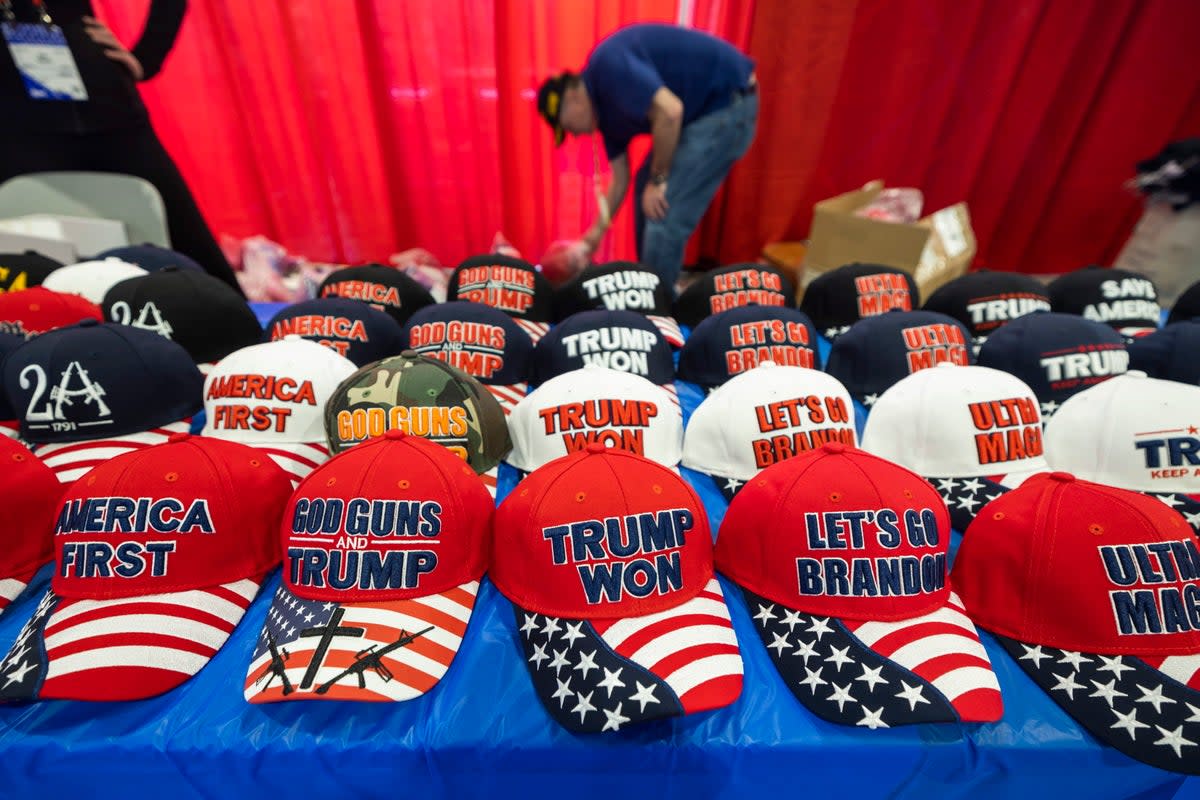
293, 337
1135, 373
410, 354
1062, 477
596, 447
394, 433
179, 437
88, 323
836, 448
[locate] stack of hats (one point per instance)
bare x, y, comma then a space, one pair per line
1006, 472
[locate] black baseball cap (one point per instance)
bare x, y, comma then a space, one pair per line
351, 328
203, 314
983, 301
151, 257
1187, 306
1169, 354
733, 286
1123, 300
549, 102
511, 285
383, 288
22, 270
837, 299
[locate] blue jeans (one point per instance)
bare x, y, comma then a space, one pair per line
707, 149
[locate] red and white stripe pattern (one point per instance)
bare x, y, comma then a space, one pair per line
536, 330
669, 328
943, 648
125, 648
10, 428
508, 395
9, 589
70, 460
429, 631
297, 459
1185, 669
691, 647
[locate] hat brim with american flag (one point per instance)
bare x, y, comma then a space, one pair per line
71, 460
386, 651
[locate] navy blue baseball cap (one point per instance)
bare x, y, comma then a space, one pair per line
878, 351
384, 288
482, 341
983, 301
8, 343
115, 387
622, 340
151, 257
1057, 355
1172, 353
351, 328
1187, 306
737, 340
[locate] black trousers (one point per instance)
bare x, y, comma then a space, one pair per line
131, 151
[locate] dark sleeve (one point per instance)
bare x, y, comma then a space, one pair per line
158, 36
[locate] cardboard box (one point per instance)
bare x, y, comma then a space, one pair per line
58, 249
935, 249
89, 235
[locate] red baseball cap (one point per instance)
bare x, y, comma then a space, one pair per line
158, 553
842, 558
28, 504
607, 558
383, 550
37, 310
1095, 592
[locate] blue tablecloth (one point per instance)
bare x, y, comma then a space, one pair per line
482, 733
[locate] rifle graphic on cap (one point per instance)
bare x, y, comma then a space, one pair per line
277, 668
372, 659
91, 392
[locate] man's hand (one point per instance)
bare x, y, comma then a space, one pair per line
102, 36
654, 201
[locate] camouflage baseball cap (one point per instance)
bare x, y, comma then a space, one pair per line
424, 397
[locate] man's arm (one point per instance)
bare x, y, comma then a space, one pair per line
666, 121
614, 197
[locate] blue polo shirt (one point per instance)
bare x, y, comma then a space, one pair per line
627, 68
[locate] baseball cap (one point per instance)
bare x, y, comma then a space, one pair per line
28, 312
1088, 589
595, 404
841, 556
737, 340
1131, 431
622, 340
480, 340
971, 431
837, 299
733, 286
621, 286
351, 328
424, 397
1170, 354
761, 417
878, 351
1123, 300
188, 533
151, 257
92, 279
24, 270
202, 313
383, 550
510, 284
384, 288
272, 397
30, 502
1187, 305
9, 424
983, 301
607, 559
92, 391
1057, 355
549, 102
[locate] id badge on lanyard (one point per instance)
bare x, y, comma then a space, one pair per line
40, 51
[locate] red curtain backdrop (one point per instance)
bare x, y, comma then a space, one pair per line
350, 131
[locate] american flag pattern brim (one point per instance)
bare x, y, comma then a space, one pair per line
381, 652
728, 487
10, 428
1146, 707
508, 395
536, 330
604, 675
123, 648
71, 460
297, 459
11, 588
965, 497
1186, 504
931, 668
669, 328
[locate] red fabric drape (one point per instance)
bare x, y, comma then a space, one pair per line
350, 131
1033, 111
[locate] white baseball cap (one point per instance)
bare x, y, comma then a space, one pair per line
954, 422
1132, 432
763, 416
595, 404
92, 279
272, 396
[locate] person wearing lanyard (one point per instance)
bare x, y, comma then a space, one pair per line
695, 94
68, 90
